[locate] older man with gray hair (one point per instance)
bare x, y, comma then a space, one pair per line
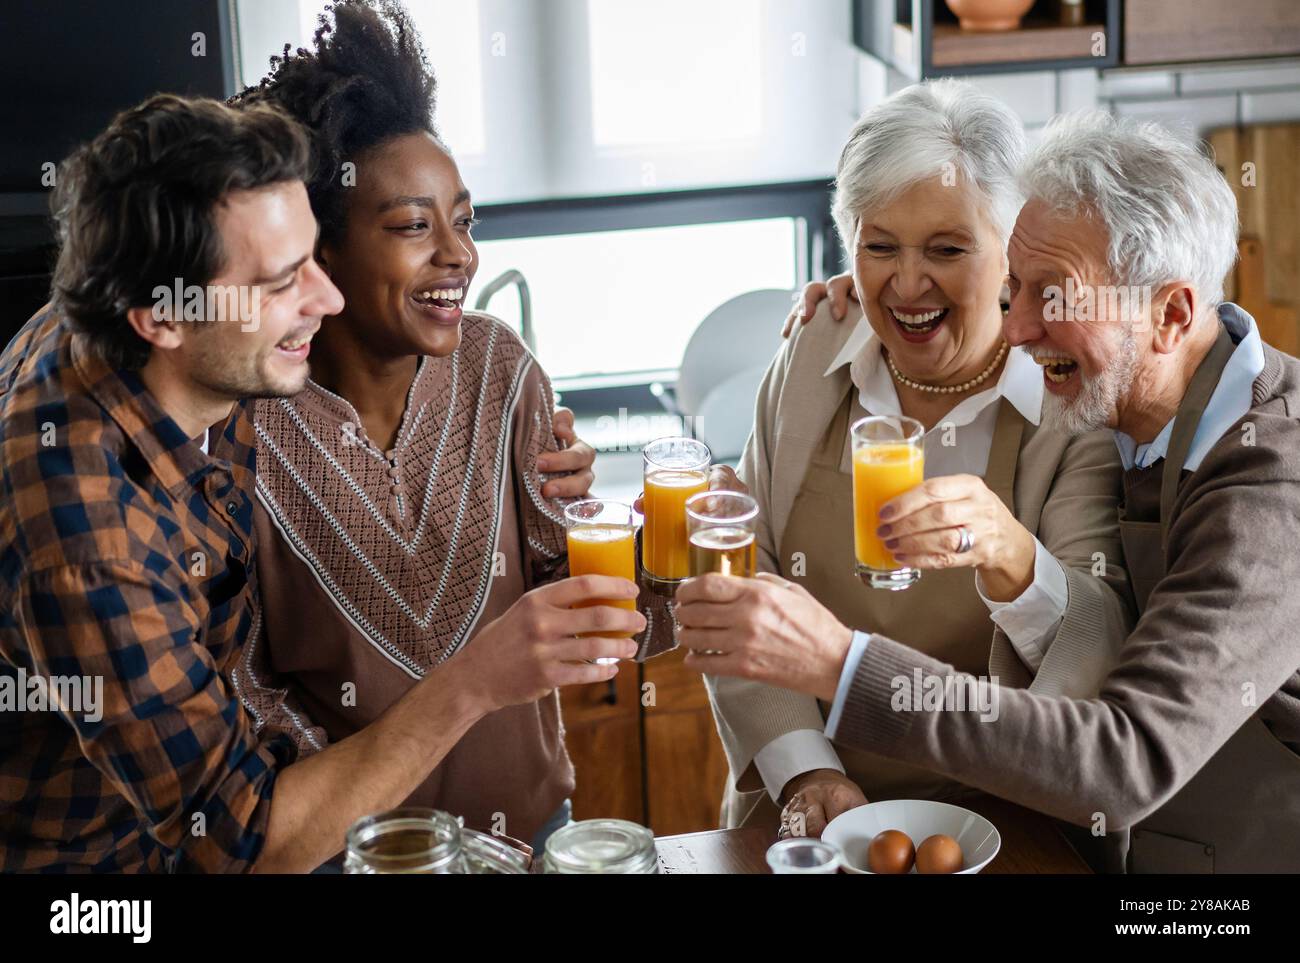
1187, 757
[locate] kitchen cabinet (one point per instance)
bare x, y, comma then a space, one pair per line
1187, 31
645, 748
922, 38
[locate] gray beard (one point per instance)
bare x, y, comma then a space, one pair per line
1091, 408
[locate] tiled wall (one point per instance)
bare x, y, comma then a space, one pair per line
1205, 97
1192, 98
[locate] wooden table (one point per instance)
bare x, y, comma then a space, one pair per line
1031, 843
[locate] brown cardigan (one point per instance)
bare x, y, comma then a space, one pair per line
376, 567
1214, 652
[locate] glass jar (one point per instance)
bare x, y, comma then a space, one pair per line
424, 841
601, 846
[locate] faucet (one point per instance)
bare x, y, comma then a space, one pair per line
516, 278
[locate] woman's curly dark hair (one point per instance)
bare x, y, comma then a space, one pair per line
365, 82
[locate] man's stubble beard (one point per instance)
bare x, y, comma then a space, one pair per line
237, 376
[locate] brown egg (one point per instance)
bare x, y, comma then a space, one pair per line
938, 855
891, 852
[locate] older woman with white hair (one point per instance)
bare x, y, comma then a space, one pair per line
1015, 527
1186, 759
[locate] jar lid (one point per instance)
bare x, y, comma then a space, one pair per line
601, 846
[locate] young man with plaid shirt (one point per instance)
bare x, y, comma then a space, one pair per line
126, 537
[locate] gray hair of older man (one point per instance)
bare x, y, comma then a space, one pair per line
1169, 213
940, 128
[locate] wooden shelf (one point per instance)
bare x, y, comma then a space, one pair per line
1034, 41
1173, 31
922, 39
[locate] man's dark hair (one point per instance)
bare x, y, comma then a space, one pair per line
365, 82
136, 207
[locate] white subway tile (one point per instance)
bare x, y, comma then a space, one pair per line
1031, 95
1192, 116
1199, 79
896, 80
1270, 108
1077, 89
873, 81
1136, 83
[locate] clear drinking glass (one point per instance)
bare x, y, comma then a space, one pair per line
803, 855
601, 535
888, 459
675, 469
720, 531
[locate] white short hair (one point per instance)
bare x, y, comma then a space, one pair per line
921, 132
1169, 213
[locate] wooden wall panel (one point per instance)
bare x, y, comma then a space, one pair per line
1267, 279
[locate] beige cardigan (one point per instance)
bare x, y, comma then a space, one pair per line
1066, 493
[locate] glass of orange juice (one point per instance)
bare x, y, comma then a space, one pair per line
720, 527
888, 459
675, 469
601, 536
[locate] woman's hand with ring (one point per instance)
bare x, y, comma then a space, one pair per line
922, 528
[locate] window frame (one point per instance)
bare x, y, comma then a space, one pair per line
817, 254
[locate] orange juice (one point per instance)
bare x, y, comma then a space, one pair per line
604, 550
665, 551
880, 472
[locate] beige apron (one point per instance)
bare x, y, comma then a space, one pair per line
1241, 812
942, 615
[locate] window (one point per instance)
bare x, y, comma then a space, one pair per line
580, 98
652, 84
452, 38
619, 302
638, 163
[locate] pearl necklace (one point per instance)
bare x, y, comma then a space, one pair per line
948, 389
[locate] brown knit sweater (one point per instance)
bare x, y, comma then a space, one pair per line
1226, 614
376, 567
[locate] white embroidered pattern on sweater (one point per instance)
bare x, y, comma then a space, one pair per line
361, 569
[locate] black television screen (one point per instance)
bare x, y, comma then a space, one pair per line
67, 66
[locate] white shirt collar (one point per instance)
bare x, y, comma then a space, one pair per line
1232, 398
1021, 381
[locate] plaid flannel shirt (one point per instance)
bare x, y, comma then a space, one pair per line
125, 553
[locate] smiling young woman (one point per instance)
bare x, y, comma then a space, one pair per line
402, 512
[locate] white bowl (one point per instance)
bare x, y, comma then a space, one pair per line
853, 831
